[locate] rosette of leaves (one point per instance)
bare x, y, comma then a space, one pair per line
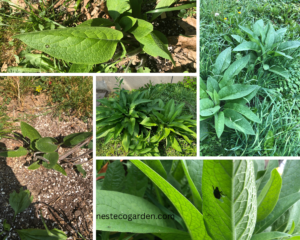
169, 124
46, 147
122, 116
94, 41
142, 146
265, 44
225, 101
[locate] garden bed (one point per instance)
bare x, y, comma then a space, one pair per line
66, 202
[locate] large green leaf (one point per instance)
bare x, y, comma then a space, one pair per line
282, 205
246, 46
157, 166
236, 91
80, 68
117, 7
29, 131
280, 71
219, 123
290, 185
141, 29
75, 138
129, 207
233, 70
196, 195
288, 45
223, 61
268, 197
21, 151
97, 22
20, 201
210, 111
244, 110
46, 144
114, 177
90, 45
191, 216
195, 170
35, 234
233, 216
156, 44
236, 121
261, 183
127, 22
136, 182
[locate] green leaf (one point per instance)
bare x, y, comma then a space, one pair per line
162, 4
34, 166
236, 91
282, 205
29, 131
97, 22
246, 46
90, 45
34, 234
206, 103
233, 70
233, 216
156, 44
271, 165
20, 201
236, 121
268, 197
269, 235
53, 159
288, 45
223, 61
127, 22
46, 144
80, 68
148, 122
117, 7
219, 123
195, 169
125, 205
290, 185
81, 170
269, 140
280, 71
6, 226
277, 53
212, 84
76, 138
21, 151
244, 110
141, 28
114, 177
270, 37
58, 168
191, 216
126, 138
196, 195
157, 166
136, 6
136, 181
210, 111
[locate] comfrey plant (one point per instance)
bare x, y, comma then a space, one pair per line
209, 200
45, 149
20, 202
226, 101
142, 123
265, 45
94, 41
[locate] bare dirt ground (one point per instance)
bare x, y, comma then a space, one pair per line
66, 201
182, 48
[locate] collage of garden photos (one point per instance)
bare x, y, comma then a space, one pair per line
149, 120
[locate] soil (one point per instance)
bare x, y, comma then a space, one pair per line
66, 201
169, 24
